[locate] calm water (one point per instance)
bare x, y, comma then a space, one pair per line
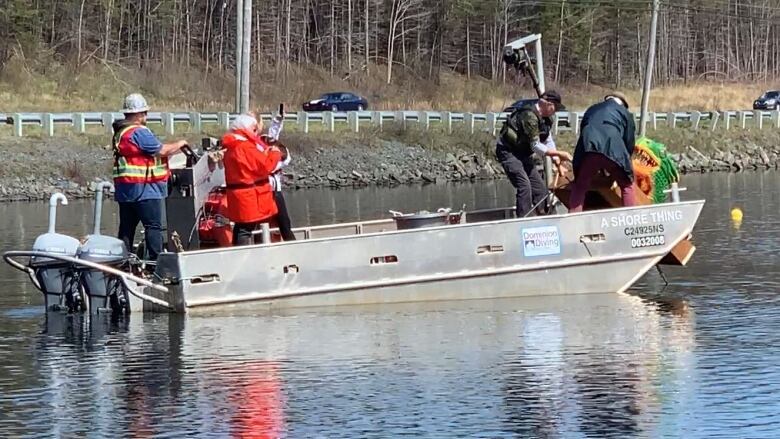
698, 358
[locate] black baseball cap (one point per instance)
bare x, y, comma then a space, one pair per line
553, 97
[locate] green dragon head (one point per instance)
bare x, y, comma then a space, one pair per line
654, 169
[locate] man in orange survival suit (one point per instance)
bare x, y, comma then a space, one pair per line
140, 175
248, 164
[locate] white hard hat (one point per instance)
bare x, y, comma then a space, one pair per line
135, 103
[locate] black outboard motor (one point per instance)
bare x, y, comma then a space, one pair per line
105, 291
57, 279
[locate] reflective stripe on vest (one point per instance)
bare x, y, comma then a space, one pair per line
132, 165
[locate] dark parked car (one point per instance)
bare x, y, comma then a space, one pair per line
340, 101
532, 101
768, 101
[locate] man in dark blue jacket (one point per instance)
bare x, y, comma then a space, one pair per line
607, 136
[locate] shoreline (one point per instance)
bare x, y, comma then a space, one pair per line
34, 172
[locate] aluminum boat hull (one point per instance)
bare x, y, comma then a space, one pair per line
590, 252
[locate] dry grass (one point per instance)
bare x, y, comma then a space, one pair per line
709, 96
44, 85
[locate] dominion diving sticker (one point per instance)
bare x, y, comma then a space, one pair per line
541, 241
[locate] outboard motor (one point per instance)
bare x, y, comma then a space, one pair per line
57, 279
105, 291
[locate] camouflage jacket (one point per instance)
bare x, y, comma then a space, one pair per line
522, 129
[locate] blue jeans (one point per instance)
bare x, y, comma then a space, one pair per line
148, 213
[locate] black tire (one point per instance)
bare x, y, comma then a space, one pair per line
334, 107
360, 108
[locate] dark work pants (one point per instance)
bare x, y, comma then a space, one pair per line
283, 218
242, 232
148, 213
591, 164
527, 181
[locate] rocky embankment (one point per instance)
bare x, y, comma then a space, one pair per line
750, 157
34, 170
34, 173
391, 164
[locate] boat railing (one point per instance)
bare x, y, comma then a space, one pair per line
389, 224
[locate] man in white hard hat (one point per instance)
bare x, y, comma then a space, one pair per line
140, 175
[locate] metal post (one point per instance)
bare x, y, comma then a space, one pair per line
469, 119
758, 119
239, 51
79, 123
246, 55
330, 121
303, 121
353, 121
18, 123
167, 120
548, 173
715, 119
266, 233
196, 125
491, 122
649, 70
423, 118
108, 122
224, 120
675, 191
539, 64
47, 120
376, 119
695, 119
446, 117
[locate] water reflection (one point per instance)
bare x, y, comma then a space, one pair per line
526, 367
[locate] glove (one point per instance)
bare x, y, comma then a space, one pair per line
550, 142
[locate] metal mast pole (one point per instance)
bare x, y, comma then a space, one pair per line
539, 63
239, 50
648, 70
246, 55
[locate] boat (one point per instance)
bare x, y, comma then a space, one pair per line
481, 257
422, 256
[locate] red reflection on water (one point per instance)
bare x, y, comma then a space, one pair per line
259, 400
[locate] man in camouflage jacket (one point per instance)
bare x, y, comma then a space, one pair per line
526, 131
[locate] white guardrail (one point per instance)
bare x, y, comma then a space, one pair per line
491, 122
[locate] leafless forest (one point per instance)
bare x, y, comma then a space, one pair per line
585, 41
